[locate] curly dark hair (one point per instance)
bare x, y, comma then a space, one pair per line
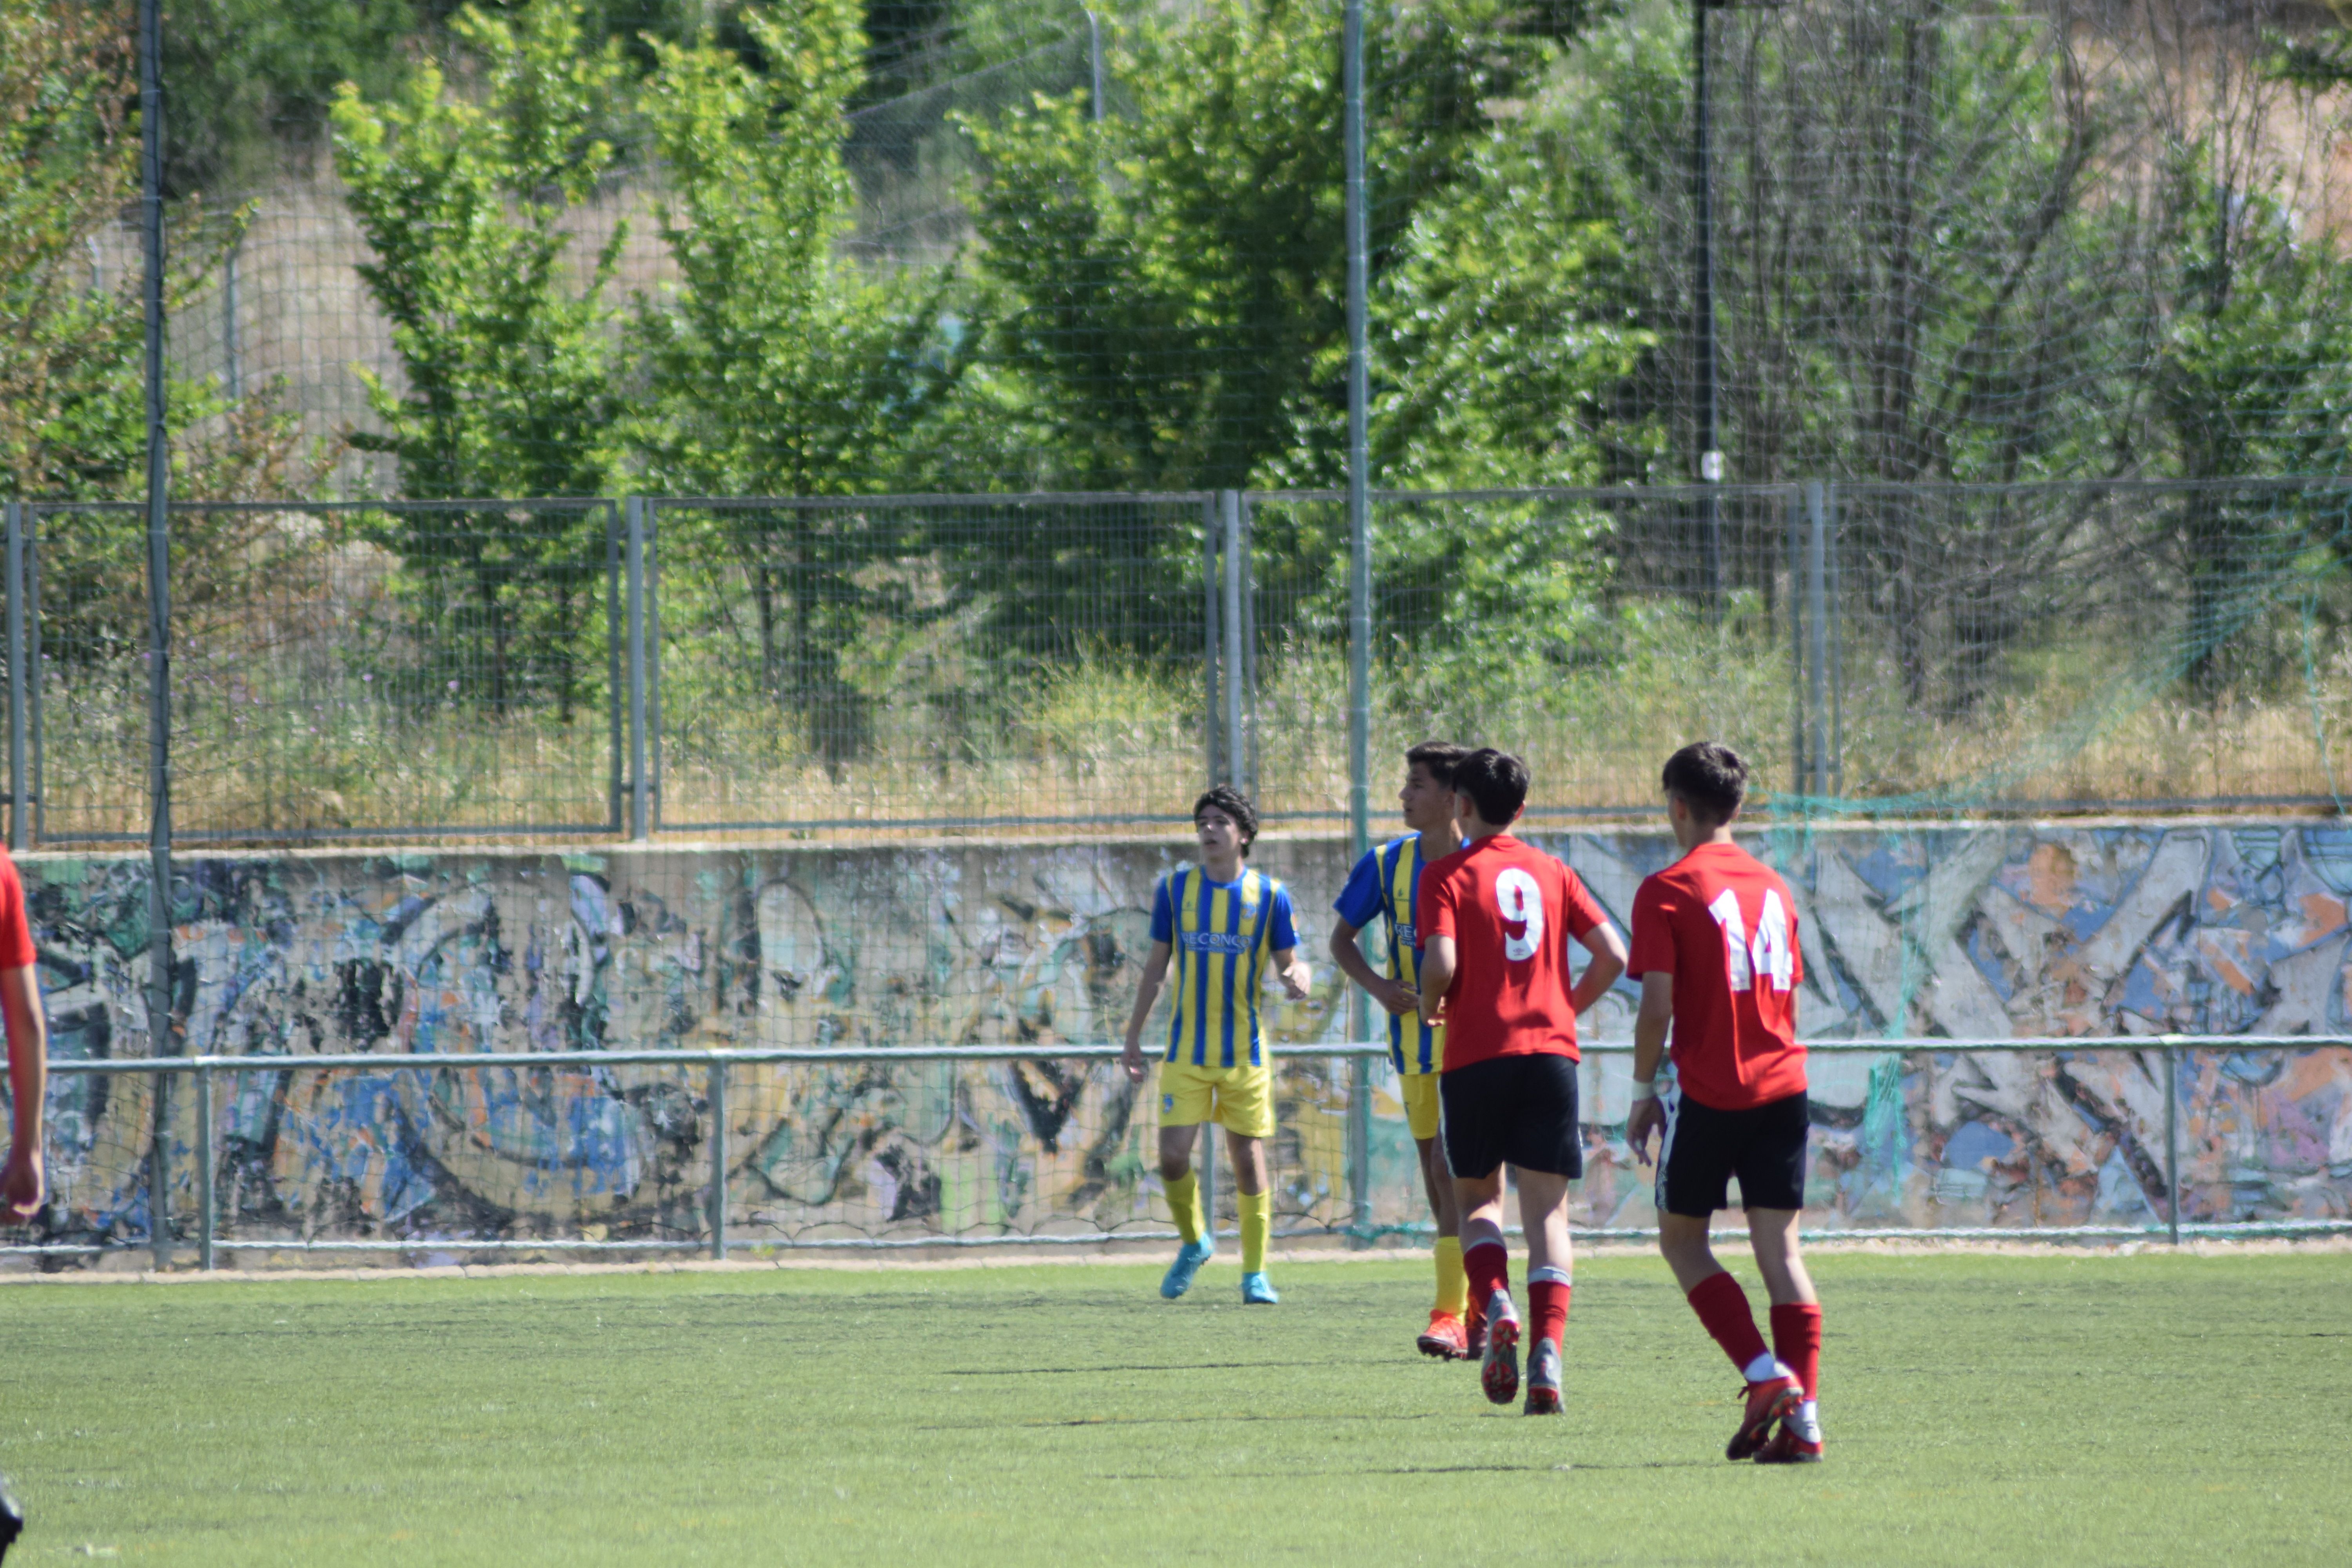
1234, 804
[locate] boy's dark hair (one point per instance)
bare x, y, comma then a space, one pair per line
1234, 804
1438, 759
1711, 778
1496, 782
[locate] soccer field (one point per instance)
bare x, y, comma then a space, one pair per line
1979, 1409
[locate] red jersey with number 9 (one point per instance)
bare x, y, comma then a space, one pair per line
1724, 925
1511, 911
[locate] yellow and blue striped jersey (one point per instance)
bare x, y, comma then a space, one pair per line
1386, 885
1222, 935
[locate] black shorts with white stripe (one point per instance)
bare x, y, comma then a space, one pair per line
1763, 1145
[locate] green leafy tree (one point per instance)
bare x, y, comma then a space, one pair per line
509, 360
778, 366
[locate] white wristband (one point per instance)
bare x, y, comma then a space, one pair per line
1645, 1091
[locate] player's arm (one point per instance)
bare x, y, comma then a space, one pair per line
1650, 1027
1396, 997
1607, 950
21, 1181
1437, 962
1147, 991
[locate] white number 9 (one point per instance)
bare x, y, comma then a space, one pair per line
1521, 903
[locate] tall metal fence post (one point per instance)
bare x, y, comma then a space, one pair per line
1837, 644
1229, 510
1249, 756
718, 1161
2172, 1142
205, 1167
1211, 723
33, 664
1359, 583
1796, 599
616, 763
158, 617
1817, 600
19, 829
640, 780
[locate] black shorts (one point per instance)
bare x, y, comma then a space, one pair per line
1514, 1110
1764, 1146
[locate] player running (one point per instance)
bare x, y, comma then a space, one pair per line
1497, 917
1223, 922
1715, 942
21, 1178
1386, 886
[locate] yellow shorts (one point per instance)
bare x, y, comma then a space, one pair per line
1239, 1100
1419, 1092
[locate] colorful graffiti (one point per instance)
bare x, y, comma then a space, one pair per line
1963, 933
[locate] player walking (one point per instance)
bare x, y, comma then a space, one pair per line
1498, 915
1715, 942
21, 1179
1222, 923
1386, 886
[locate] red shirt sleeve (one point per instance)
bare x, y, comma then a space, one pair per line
1436, 899
1583, 913
16, 930
1650, 948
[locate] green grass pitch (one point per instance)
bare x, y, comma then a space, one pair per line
1979, 1409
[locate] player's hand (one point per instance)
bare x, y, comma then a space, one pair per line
1131, 1058
1298, 981
1398, 998
1647, 1117
22, 1188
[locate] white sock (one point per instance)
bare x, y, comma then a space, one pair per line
1764, 1369
1808, 1421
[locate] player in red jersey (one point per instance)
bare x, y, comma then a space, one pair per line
21, 1183
1715, 944
1497, 916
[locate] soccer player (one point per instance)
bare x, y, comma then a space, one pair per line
21, 1178
1227, 927
1715, 942
1497, 917
1386, 885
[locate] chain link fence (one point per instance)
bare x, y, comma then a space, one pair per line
1087, 662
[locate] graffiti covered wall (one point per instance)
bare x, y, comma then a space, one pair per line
1964, 932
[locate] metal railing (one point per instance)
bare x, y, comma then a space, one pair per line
721, 1153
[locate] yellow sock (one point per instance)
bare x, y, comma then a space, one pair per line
1184, 1204
1257, 1224
1453, 1284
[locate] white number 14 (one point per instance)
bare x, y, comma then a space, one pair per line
1768, 954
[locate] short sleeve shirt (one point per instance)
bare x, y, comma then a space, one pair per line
16, 928
1386, 885
1724, 925
1224, 936
1512, 910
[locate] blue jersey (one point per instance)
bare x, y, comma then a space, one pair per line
1386, 885
1222, 934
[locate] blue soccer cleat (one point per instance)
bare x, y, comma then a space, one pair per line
1189, 1258
1258, 1291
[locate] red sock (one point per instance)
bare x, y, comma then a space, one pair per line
1550, 1298
1722, 1306
1797, 1340
1489, 1267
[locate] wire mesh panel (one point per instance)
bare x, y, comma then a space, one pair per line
929, 661
336, 670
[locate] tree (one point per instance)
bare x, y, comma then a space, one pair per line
778, 366
509, 362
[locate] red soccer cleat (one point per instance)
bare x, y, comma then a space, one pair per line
1499, 1372
1444, 1337
1474, 1335
1767, 1402
1785, 1448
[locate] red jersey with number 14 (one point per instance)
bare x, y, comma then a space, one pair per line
1724, 925
1511, 910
